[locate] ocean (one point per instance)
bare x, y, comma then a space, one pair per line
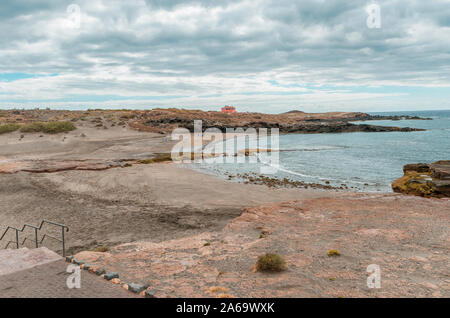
366, 162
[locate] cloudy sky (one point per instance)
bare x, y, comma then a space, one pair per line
259, 55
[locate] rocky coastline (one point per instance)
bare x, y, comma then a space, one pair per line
287, 123
163, 121
426, 180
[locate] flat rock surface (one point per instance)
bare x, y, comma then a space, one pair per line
52, 165
408, 237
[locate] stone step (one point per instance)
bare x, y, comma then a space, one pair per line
14, 260
10, 253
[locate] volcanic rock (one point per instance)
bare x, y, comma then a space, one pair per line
427, 180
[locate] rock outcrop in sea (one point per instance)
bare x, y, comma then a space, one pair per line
427, 180
164, 121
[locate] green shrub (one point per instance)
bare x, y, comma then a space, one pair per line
33, 127
7, 128
52, 127
270, 263
55, 127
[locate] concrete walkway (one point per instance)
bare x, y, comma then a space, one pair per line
14, 260
39, 275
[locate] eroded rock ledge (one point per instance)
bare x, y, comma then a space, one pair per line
427, 180
55, 165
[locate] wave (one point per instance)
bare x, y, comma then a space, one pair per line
315, 148
280, 168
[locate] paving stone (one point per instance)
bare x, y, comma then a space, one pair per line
136, 288
150, 293
109, 276
78, 262
100, 271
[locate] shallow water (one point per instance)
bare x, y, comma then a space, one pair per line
364, 161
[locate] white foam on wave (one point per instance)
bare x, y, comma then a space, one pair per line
314, 148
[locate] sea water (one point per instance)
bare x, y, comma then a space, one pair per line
364, 161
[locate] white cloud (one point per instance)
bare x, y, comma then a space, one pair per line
231, 49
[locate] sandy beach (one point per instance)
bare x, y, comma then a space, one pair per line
118, 205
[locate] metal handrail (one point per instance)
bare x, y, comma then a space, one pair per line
7, 245
36, 229
39, 242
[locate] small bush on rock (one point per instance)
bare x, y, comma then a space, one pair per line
270, 263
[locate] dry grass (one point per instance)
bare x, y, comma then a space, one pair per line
334, 253
160, 157
218, 289
102, 249
225, 296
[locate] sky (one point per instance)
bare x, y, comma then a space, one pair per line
259, 55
